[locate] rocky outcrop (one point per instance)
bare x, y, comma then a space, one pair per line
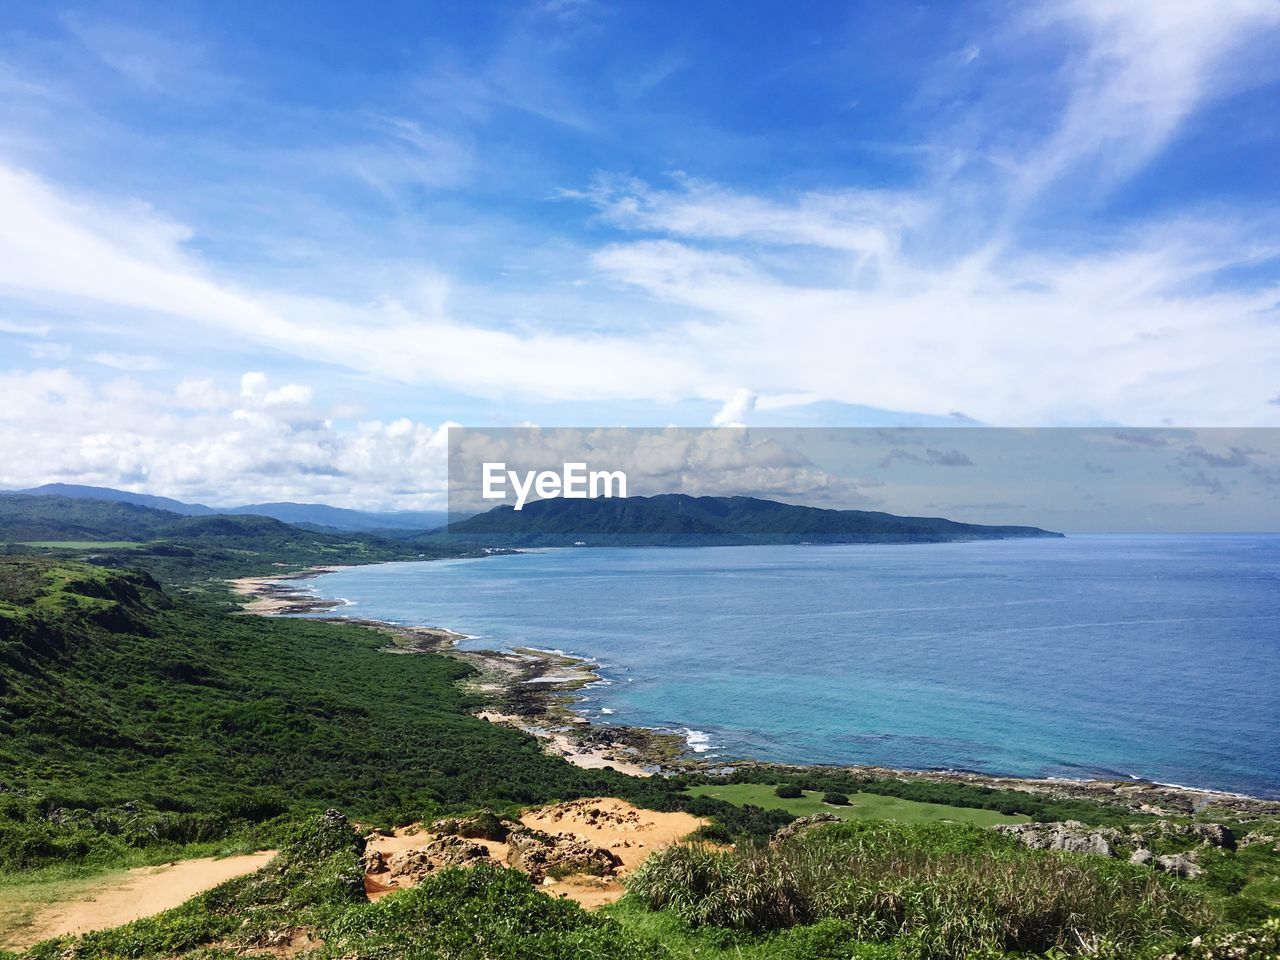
1255, 837
409, 867
1071, 836
591, 814
1215, 835
543, 855
800, 824
1179, 865
1209, 834
485, 825
1142, 857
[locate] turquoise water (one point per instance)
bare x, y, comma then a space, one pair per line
1152, 656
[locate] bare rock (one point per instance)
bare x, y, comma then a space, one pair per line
1179, 865
1215, 835
1142, 857
484, 825
1072, 836
541, 855
409, 867
1255, 836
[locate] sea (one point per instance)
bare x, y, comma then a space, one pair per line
1145, 656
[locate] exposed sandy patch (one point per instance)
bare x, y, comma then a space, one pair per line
560, 745
133, 894
270, 595
629, 832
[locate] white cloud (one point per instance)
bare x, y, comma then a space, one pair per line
735, 409
1146, 65
1134, 334
865, 223
291, 394
131, 362
907, 300
698, 462
202, 443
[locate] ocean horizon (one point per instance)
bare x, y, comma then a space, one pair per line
1149, 656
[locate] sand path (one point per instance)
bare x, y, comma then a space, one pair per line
136, 893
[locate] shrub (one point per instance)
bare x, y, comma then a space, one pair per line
940, 891
315, 878
835, 799
1260, 944
788, 791
483, 913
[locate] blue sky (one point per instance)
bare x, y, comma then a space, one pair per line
268, 251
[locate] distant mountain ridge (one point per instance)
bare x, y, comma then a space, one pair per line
310, 515
681, 520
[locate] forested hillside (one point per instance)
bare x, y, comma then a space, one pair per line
680, 520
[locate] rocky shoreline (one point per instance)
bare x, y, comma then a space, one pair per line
535, 691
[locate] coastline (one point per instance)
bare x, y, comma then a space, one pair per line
270, 594
535, 691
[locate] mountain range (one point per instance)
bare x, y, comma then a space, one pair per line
681, 520
307, 515
61, 512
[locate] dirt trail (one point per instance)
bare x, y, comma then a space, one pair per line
136, 893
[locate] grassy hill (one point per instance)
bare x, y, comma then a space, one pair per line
113, 692
680, 520
189, 549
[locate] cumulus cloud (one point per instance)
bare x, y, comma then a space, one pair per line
201, 442
735, 409
698, 462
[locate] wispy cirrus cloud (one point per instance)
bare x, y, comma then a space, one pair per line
594, 275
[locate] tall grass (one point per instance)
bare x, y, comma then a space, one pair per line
941, 891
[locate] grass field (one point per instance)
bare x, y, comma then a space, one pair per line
862, 806
83, 544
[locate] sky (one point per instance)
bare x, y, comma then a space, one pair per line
271, 251
1071, 480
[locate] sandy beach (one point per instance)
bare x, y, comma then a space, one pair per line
271, 595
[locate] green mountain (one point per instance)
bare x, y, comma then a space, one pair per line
314, 515
182, 549
680, 520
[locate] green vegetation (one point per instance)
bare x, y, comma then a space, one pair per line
81, 544
934, 891
482, 914
139, 724
824, 940
857, 806
313, 893
129, 718
1012, 803
190, 551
